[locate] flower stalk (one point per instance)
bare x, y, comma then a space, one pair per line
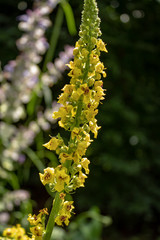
53, 214
79, 106
79, 101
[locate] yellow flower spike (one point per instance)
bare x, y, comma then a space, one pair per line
85, 162
79, 100
101, 46
61, 177
37, 231
48, 176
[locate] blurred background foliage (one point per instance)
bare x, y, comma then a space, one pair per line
124, 180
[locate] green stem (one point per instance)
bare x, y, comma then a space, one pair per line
54, 38
53, 215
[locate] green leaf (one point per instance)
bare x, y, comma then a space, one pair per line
47, 96
13, 180
54, 39
69, 17
31, 105
35, 159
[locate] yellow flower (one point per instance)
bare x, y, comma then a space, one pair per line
67, 207
63, 98
94, 58
82, 147
85, 162
18, 233
61, 113
94, 128
75, 51
34, 220
99, 67
70, 65
65, 156
75, 72
90, 113
44, 211
62, 219
99, 94
61, 178
81, 179
76, 95
52, 144
62, 195
75, 157
75, 132
78, 63
37, 231
48, 176
84, 52
9, 232
101, 45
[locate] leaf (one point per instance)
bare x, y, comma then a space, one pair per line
35, 159
69, 17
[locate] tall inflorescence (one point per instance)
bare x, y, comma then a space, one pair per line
80, 99
79, 102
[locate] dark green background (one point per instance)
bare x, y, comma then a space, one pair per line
124, 180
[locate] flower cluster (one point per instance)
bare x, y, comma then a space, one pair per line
16, 233
79, 102
65, 211
38, 224
23, 73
